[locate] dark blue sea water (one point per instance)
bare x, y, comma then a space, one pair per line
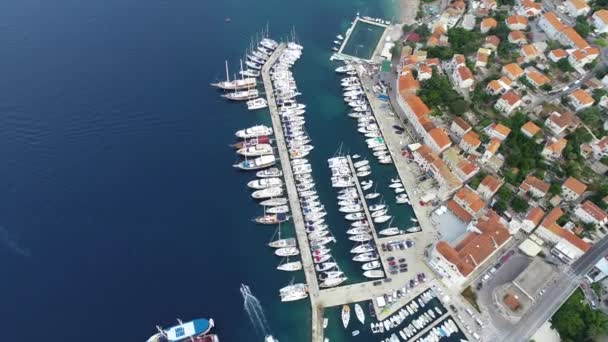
119, 208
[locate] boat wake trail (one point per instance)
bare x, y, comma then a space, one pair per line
8, 241
254, 311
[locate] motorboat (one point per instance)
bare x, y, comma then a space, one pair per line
379, 213
281, 209
267, 193
271, 219
326, 266
331, 282
366, 186
361, 237
257, 163
293, 292
371, 265
366, 257
344, 68
364, 173
273, 202
271, 172
377, 207
256, 104
254, 131
413, 229
373, 274
360, 223
321, 258
287, 251
355, 216
372, 195
351, 208
197, 330
363, 248
359, 230
382, 219
389, 231
290, 266
359, 313
281, 243
330, 274
345, 315
396, 185
264, 183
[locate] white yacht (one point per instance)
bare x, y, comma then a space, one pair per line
257, 163
293, 292
290, 266
267, 193
359, 313
253, 132
264, 183
258, 103
374, 274
287, 251
256, 150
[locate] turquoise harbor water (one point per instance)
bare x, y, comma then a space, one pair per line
363, 40
120, 207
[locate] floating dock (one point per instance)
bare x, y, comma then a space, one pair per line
292, 194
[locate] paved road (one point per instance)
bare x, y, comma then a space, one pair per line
553, 298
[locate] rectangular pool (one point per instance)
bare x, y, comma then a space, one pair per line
363, 40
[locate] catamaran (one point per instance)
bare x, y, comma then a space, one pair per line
293, 292
195, 331
258, 103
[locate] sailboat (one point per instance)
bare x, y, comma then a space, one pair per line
290, 266
235, 84
345, 315
359, 313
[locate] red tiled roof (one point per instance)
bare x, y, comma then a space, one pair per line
530, 128
458, 211
534, 182
575, 185
491, 183
594, 210
535, 215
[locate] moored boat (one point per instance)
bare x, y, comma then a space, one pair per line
196, 330
345, 315
359, 313
257, 163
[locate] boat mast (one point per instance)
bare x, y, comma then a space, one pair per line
227, 76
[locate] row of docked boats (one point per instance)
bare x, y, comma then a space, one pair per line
268, 188
344, 178
245, 87
292, 115
361, 110
442, 330
424, 316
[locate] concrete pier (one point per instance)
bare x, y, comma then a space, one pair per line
294, 203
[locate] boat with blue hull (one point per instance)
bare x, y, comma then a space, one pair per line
197, 330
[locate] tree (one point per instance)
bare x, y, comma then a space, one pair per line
463, 41
599, 93
582, 26
519, 204
564, 65
555, 189
576, 321
458, 106
423, 31
406, 28
546, 87
441, 52
500, 206
437, 91
591, 116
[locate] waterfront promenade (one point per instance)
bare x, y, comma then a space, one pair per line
296, 213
